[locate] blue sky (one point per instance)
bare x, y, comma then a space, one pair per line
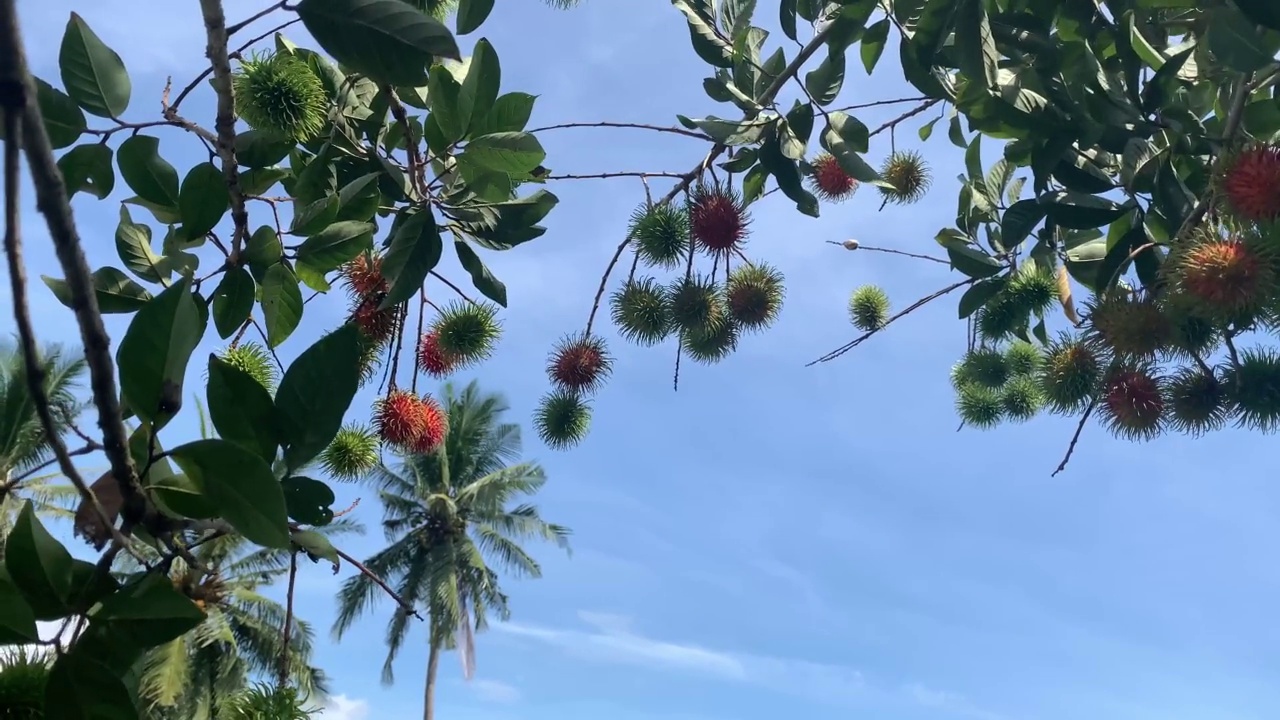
773, 540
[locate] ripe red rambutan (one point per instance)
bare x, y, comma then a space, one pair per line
363, 275
434, 426
376, 325
1225, 275
580, 363
829, 181
1251, 183
717, 218
399, 419
432, 359
1133, 402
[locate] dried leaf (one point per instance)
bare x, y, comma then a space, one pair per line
88, 524
1064, 296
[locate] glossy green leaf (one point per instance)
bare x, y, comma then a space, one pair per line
975, 45
152, 358
445, 93
972, 262
309, 502
133, 245
240, 485
979, 293
336, 244
1081, 212
257, 149
150, 611
515, 221
483, 280
17, 620
873, 42
281, 303
146, 173
1238, 42
88, 169
241, 409
510, 113
233, 301
842, 136
258, 181
39, 566
479, 90
263, 250
388, 40
415, 251
64, 122
517, 153
1262, 12
315, 216
164, 214
471, 14
316, 546
308, 420
707, 42
1019, 221
359, 199
93, 74
81, 687
825, 81
114, 291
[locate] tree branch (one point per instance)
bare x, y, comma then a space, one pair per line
1075, 438
404, 604
632, 126
910, 309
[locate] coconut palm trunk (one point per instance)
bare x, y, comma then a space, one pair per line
429, 693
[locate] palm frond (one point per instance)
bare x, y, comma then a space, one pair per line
513, 558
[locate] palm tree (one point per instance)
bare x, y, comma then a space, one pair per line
447, 517
24, 450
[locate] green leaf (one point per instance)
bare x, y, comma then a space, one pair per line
873, 42
262, 251
39, 566
415, 250
516, 221
308, 420
150, 611
146, 173
17, 621
241, 409
388, 40
257, 149
152, 357
972, 261
1261, 12
1237, 42
979, 293
800, 120
787, 173
233, 301
824, 81
707, 43
315, 216
1081, 212
281, 303
445, 92
165, 214
926, 130
115, 292
309, 501
80, 687
732, 132
787, 18
753, 184
258, 181
841, 137
336, 244
510, 113
93, 74
64, 123
517, 153
850, 129
240, 485
483, 280
471, 14
87, 168
133, 245
1019, 220
480, 88
316, 546
975, 45
359, 199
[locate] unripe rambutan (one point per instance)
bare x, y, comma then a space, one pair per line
467, 331
277, 93
351, 454
579, 364
829, 181
1250, 180
641, 311
253, 360
370, 358
363, 275
979, 406
1023, 358
661, 235
1191, 335
1254, 389
869, 308
753, 295
24, 679
1021, 398
562, 419
713, 342
1197, 401
1008, 314
1131, 326
434, 427
432, 359
398, 419
984, 367
718, 220
1132, 403
1069, 375
908, 174
694, 302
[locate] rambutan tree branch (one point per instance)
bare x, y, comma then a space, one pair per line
860, 246
633, 126
611, 175
233, 29
1075, 437
1230, 126
910, 309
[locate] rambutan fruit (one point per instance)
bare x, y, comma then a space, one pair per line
370, 359
1253, 386
1021, 398
351, 454
907, 174
375, 324
363, 275
829, 181
641, 311
1250, 182
695, 302
398, 419
279, 94
1191, 334
432, 359
253, 360
1197, 401
978, 406
1224, 275
712, 342
1008, 314
1069, 374
869, 308
24, 678
1133, 403
467, 331
434, 426
562, 419
753, 295
718, 220
579, 363
661, 234
1129, 325
1023, 358
983, 367
1035, 290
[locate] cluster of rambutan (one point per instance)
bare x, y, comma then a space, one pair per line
904, 174
994, 384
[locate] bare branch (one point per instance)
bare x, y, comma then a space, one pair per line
910, 309
633, 126
1075, 438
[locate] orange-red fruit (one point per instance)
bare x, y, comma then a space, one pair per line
434, 426
579, 364
829, 181
376, 325
1252, 183
1135, 401
363, 275
717, 219
432, 359
1224, 274
399, 419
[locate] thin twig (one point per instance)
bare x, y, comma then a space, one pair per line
283, 671
878, 103
209, 70
1075, 438
404, 604
453, 287
233, 29
910, 309
930, 258
904, 116
610, 175
633, 126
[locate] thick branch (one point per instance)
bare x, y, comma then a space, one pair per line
215, 25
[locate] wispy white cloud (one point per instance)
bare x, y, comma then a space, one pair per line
341, 707
951, 703
495, 691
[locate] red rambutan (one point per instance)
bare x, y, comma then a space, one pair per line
829, 181
579, 363
432, 359
375, 324
399, 419
434, 426
1251, 182
717, 219
1225, 275
1133, 403
363, 275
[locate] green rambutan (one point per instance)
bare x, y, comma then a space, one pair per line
1008, 314
713, 342
1191, 335
351, 454
562, 419
869, 308
579, 363
695, 302
641, 311
1023, 358
909, 176
661, 235
1253, 386
279, 94
24, 674
370, 358
1021, 398
979, 406
1131, 326
984, 367
718, 220
829, 181
1133, 403
753, 295
1069, 374
1224, 276
253, 360
1197, 401
1035, 290
1250, 181
467, 331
